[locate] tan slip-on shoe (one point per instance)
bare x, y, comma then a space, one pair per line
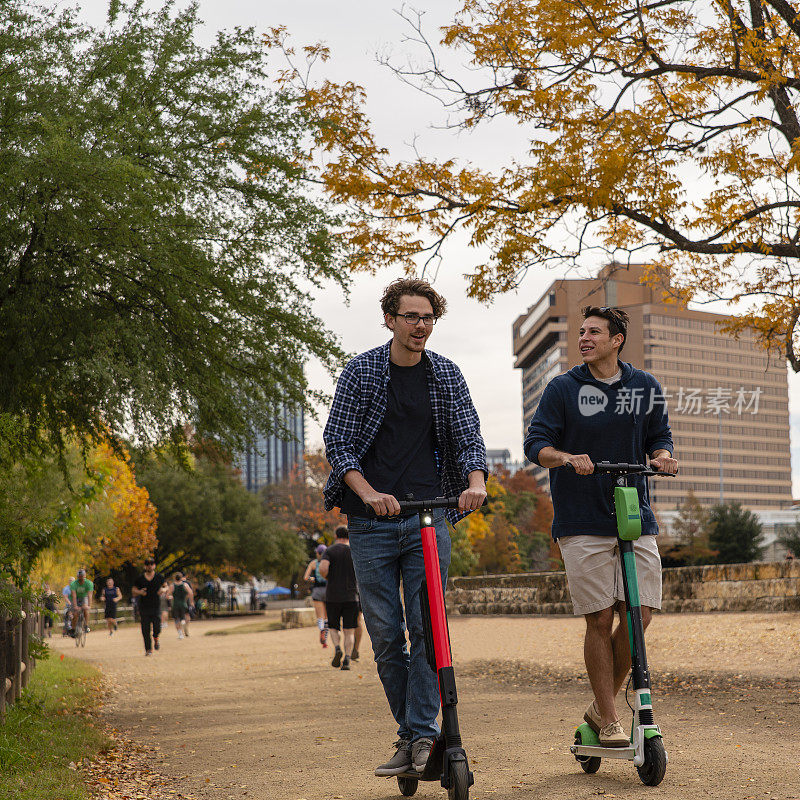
613, 735
592, 717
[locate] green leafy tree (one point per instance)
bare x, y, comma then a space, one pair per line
156, 248
690, 542
736, 534
41, 499
207, 518
790, 539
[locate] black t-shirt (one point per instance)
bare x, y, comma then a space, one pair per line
110, 594
402, 460
342, 586
150, 601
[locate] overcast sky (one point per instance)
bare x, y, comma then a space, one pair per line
476, 337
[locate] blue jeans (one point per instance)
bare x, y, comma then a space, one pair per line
384, 551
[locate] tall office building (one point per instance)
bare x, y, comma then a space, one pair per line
728, 399
271, 458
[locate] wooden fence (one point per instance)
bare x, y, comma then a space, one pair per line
16, 663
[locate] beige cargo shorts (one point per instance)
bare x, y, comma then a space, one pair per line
594, 572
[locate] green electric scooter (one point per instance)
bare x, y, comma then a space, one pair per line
646, 748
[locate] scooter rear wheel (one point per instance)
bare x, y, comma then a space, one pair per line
459, 781
654, 768
407, 786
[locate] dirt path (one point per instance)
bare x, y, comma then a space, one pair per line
263, 715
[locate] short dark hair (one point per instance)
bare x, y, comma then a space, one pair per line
617, 320
341, 532
390, 302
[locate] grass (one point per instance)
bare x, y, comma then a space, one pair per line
250, 627
47, 729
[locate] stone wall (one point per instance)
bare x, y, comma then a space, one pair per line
762, 586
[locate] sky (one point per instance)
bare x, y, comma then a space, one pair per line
477, 337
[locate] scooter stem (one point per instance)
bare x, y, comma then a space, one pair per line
433, 578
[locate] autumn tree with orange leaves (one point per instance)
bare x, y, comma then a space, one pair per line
120, 525
512, 533
297, 501
666, 131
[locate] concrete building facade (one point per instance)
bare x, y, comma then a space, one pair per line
728, 399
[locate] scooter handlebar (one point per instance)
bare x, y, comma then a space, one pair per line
626, 469
416, 506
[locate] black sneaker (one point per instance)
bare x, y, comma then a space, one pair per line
420, 751
346, 662
156, 645
400, 762
354, 657
337, 657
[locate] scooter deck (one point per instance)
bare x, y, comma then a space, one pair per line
434, 766
417, 776
624, 753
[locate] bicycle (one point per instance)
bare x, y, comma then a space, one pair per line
80, 630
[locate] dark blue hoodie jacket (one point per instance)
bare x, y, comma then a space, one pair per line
623, 422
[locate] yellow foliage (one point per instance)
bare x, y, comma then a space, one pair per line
121, 525
118, 526
663, 125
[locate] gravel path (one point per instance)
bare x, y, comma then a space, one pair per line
263, 715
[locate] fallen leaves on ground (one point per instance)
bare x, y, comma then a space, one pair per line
123, 773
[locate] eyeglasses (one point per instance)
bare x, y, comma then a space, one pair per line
428, 320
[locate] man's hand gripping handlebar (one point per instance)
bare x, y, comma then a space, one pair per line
417, 506
626, 469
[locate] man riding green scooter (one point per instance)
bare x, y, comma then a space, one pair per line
602, 410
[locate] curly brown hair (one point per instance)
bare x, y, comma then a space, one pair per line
390, 302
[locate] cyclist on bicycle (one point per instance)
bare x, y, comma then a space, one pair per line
81, 591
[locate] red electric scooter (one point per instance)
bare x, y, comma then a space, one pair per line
447, 762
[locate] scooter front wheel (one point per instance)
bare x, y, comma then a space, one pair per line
459, 781
654, 768
589, 764
407, 786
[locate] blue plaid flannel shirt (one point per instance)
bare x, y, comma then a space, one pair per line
359, 406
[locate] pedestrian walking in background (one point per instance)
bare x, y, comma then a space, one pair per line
402, 422
341, 596
182, 598
112, 595
66, 593
148, 588
164, 607
49, 601
359, 633
318, 593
